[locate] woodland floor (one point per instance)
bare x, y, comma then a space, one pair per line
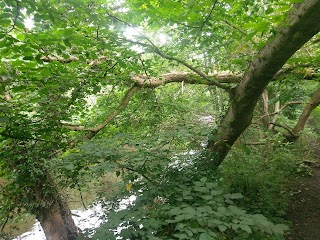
304, 209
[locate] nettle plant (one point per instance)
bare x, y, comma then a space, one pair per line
201, 210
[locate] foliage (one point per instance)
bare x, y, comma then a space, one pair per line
188, 210
262, 174
72, 70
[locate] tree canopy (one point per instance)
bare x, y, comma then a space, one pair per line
137, 87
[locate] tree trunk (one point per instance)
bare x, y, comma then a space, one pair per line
55, 218
57, 222
314, 102
276, 110
265, 99
300, 26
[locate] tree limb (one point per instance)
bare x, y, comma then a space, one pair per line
201, 74
94, 130
284, 127
185, 77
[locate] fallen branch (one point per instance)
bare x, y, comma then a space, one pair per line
286, 128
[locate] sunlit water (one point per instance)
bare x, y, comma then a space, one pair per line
91, 218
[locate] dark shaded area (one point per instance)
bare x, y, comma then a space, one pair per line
304, 210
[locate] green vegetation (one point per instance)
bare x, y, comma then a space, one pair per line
195, 107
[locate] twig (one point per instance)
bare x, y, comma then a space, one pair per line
234, 27
281, 109
81, 197
142, 174
206, 19
94, 130
16, 17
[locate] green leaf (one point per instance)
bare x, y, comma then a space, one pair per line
189, 210
20, 36
4, 119
216, 192
69, 166
201, 189
206, 236
234, 196
269, 10
280, 228
28, 58
222, 228
245, 228
203, 179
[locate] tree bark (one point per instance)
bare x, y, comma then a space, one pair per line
314, 102
300, 26
265, 99
57, 222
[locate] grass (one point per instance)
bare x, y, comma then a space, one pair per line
263, 174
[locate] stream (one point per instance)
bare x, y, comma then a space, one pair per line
90, 218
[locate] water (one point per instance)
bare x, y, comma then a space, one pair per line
90, 218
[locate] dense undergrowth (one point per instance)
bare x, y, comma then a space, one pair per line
246, 198
263, 175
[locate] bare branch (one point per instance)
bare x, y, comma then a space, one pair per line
16, 17
281, 109
139, 172
206, 19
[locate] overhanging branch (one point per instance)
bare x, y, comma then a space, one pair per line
94, 130
185, 77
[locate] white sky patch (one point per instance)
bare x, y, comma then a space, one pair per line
131, 33
134, 33
29, 22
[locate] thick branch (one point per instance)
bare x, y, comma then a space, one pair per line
314, 102
284, 127
187, 78
156, 50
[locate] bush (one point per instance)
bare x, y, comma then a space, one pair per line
262, 175
200, 210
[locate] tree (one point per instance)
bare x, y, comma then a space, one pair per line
78, 49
